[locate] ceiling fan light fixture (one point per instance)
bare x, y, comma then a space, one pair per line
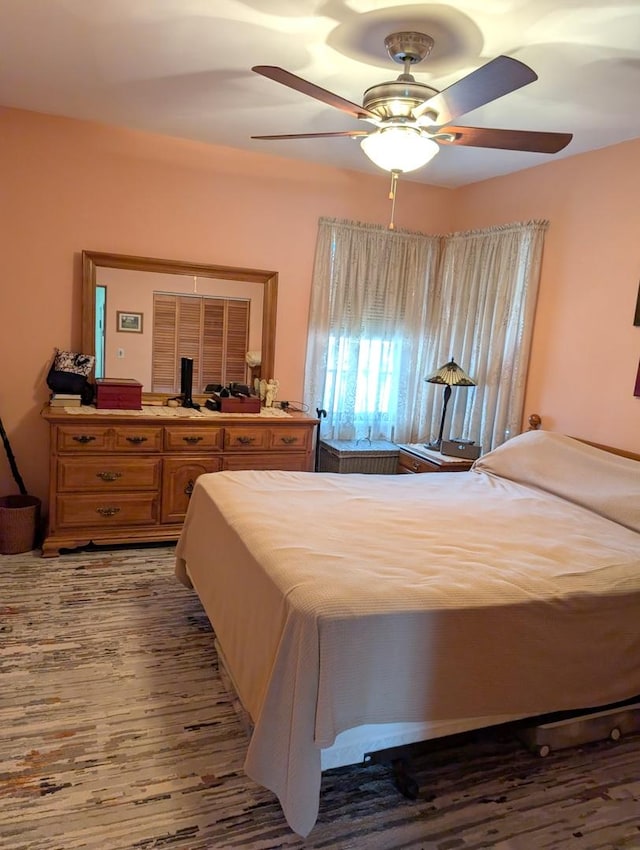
399, 149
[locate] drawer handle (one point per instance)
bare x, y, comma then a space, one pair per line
192, 439
83, 438
188, 490
245, 441
108, 511
289, 440
416, 466
109, 476
137, 440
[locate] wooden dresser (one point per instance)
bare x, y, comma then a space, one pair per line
127, 478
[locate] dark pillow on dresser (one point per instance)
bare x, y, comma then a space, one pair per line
68, 374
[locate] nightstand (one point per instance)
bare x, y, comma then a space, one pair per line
415, 458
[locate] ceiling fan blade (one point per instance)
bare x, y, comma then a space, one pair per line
353, 133
510, 140
493, 80
279, 75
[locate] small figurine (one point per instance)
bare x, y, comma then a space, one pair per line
272, 392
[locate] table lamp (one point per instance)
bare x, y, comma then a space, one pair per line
451, 375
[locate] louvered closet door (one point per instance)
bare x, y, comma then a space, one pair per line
165, 377
225, 341
190, 327
237, 340
213, 341
214, 332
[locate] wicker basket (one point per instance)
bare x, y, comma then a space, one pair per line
19, 518
378, 457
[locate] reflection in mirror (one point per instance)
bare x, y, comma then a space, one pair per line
141, 315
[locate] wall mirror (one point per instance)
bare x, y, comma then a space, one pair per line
124, 300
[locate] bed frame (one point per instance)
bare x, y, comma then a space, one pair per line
535, 423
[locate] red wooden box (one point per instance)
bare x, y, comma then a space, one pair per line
118, 394
236, 404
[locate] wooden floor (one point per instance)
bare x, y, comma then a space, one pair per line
117, 733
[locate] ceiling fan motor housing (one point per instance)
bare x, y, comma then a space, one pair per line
397, 98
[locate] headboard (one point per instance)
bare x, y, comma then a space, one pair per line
535, 421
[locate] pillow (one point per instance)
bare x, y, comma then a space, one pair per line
607, 484
68, 374
69, 361
65, 382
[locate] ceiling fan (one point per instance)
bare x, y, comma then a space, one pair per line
413, 119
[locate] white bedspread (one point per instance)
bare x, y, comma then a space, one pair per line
348, 599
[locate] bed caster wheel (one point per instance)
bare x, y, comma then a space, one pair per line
544, 750
404, 782
615, 734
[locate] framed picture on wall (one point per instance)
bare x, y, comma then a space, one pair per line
130, 323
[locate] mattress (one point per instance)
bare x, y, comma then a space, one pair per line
351, 601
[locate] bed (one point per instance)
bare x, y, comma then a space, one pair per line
358, 612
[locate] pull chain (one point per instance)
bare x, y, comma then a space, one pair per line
392, 196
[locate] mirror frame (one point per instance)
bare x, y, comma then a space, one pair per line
93, 260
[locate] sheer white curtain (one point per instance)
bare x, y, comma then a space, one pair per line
390, 307
481, 312
367, 329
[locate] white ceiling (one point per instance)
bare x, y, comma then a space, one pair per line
183, 68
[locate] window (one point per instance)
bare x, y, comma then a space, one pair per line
387, 308
373, 362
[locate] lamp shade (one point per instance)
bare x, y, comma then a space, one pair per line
253, 358
451, 374
399, 148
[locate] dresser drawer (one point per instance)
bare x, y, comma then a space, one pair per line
190, 439
290, 437
411, 463
89, 511
95, 438
137, 439
246, 437
111, 472
89, 438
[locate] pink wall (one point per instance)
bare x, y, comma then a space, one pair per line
68, 185
585, 348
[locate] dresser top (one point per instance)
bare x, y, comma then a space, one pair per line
160, 413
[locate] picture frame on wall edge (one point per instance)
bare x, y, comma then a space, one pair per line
127, 322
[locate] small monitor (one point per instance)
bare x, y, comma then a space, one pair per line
186, 383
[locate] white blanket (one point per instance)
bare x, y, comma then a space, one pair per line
348, 599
